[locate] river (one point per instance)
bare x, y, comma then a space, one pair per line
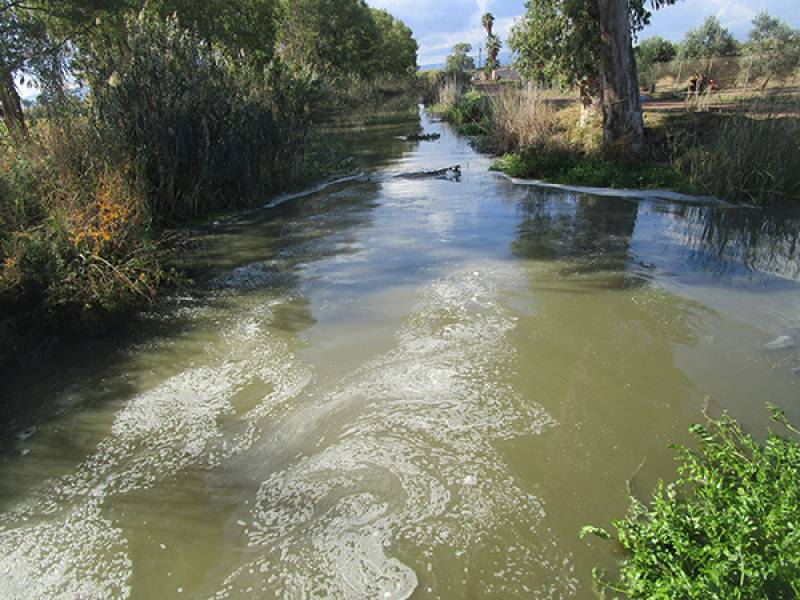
393, 388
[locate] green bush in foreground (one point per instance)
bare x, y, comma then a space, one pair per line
728, 528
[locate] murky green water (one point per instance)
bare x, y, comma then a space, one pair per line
396, 388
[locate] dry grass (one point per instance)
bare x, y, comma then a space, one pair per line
521, 119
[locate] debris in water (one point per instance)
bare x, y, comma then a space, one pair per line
782, 343
453, 173
425, 137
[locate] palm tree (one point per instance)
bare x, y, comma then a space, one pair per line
493, 43
488, 23
493, 46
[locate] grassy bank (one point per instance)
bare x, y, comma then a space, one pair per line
744, 154
170, 132
726, 529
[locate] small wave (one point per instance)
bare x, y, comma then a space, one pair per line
360, 177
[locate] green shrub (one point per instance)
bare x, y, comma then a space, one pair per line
560, 163
728, 528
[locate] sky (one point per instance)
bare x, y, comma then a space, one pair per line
439, 24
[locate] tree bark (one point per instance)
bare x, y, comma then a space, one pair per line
11, 104
623, 126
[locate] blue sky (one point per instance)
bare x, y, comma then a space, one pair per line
438, 24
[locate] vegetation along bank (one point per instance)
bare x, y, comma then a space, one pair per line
710, 115
153, 114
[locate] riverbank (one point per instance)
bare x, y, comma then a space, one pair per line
98, 202
745, 154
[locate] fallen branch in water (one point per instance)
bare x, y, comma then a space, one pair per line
453, 173
424, 137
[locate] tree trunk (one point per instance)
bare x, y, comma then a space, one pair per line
623, 126
11, 104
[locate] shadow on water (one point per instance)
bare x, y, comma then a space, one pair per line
712, 245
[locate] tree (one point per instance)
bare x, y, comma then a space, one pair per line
651, 52
488, 23
655, 50
36, 39
493, 47
493, 43
589, 44
396, 50
773, 48
333, 37
459, 62
623, 124
709, 40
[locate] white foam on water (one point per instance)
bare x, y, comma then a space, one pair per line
360, 177
416, 467
57, 544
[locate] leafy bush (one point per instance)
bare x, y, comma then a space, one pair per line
729, 527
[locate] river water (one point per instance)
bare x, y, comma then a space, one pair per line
396, 388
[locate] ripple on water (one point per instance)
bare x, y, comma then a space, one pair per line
416, 468
57, 544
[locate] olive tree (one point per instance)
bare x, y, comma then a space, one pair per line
773, 47
709, 40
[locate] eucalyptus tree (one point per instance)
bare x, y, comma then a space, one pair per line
589, 44
37, 39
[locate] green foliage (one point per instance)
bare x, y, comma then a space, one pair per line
345, 37
773, 48
471, 114
728, 528
651, 52
709, 40
395, 52
459, 63
427, 84
203, 134
562, 163
558, 42
655, 50
75, 243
